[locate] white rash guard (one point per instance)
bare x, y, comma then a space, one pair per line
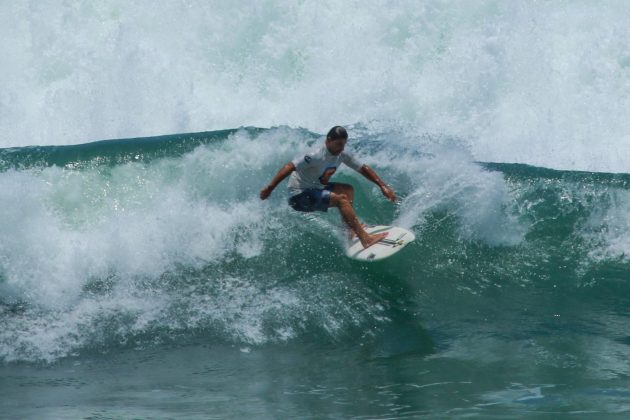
314, 169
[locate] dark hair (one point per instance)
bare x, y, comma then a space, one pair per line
337, 133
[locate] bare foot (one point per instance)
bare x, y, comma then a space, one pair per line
372, 239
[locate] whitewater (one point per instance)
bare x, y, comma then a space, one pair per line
141, 276
543, 83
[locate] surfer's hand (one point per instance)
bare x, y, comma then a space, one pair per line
266, 192
389, 193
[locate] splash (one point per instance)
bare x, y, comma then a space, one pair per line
539, 83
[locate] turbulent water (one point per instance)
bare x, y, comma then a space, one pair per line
142, 277
145, 244
539, 82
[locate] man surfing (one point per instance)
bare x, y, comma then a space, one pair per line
310, 188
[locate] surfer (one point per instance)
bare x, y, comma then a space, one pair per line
310, 188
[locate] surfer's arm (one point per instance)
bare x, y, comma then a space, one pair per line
284, 172
369, 173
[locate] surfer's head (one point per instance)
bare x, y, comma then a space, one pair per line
336, 139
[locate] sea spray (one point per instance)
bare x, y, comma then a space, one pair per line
539, 83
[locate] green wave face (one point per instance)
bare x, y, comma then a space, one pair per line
125, 242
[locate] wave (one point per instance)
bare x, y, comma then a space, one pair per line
134, 242
545, 84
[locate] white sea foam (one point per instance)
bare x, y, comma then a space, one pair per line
60, 227
541, 83
441, 175
606, 230
107, 254
98, 256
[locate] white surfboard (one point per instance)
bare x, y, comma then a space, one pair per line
396, 240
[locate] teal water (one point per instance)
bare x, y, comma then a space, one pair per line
143, 278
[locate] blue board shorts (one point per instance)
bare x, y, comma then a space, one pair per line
312, 199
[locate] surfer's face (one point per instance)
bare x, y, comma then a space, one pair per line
335, 146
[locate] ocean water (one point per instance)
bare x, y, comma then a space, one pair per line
142, 277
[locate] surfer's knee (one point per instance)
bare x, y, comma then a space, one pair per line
345, 186
344, 198
344, 189
339, 199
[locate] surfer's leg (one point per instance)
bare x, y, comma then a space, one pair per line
342, 202
346, 189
